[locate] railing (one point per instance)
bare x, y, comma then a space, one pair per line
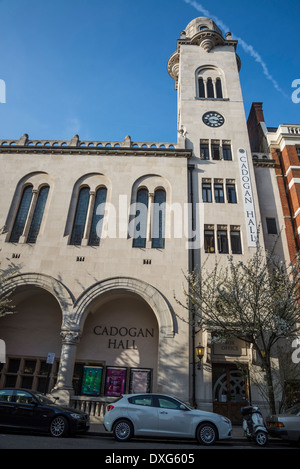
94, 406
260, 156
294, 129
76, 143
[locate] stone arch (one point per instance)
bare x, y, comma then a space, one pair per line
151, 182
92, 181
45, 282
37, 180
214, 73
159, 305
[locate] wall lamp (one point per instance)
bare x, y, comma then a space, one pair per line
199, 354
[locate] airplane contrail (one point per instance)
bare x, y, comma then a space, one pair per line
246, 47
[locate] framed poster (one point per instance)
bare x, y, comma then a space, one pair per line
91, 381
115, 381
140, 380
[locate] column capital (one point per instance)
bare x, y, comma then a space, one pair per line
70, 337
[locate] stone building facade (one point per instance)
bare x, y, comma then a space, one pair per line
99, 235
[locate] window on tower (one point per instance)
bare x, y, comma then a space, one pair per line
206, 192
209, 83
215, 151
210, 88
219, 193
201, 88
204, 151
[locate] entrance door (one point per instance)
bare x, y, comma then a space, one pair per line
230, 391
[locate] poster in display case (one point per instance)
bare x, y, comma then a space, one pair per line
115, 381
91, 381
140, 380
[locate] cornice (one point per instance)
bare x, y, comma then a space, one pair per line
122, 151
263, 162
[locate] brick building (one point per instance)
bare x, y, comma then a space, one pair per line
282, 145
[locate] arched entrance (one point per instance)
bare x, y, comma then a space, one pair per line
30, 334
130, 325
118, 350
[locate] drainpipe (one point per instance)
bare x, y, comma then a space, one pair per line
191, 268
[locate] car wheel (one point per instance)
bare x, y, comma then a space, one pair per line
59, 426
123, 430
261, 438
206, 434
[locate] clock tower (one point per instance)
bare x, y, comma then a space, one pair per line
222, 187
211, 119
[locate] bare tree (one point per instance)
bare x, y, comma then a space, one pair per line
257, 301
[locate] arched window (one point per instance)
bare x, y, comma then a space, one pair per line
80, 216
210, 82
22, 215
201, 88
141, 217
38, 215
159, 219
97, 218
210, 88
219, 88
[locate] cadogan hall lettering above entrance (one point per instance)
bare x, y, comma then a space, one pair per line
127, 333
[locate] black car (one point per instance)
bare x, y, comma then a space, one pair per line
30, 410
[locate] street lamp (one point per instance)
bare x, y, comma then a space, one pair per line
199, 354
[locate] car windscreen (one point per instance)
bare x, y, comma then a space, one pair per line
44, 399
294, 410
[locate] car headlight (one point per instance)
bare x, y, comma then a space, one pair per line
76, 416
225, 419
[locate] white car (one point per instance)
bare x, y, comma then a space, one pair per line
158, 415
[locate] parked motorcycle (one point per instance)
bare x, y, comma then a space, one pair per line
254, 425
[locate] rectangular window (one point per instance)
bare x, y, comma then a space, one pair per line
28, 373
215, 151
219, 193
222, 240
231, 194
298, 152
209, 241
206, 192
236, 245
271, 226
204, 151
227, 155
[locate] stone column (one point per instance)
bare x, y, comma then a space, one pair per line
89, 217
63, 388
23, 238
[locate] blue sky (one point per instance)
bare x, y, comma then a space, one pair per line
99, 68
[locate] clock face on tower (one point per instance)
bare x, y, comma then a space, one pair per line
213, 119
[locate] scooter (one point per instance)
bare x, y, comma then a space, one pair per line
254, 425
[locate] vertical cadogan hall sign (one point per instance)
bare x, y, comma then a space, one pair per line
247, 197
